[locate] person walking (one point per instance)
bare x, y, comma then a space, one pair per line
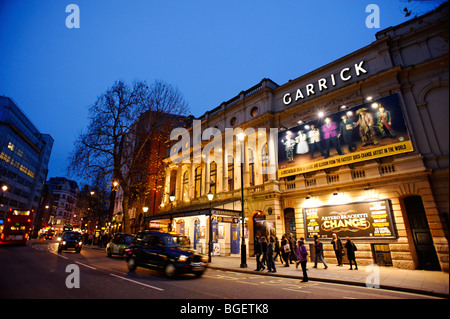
351, 248
264, 251
258, 252
318, 250
302, 258
270, 260
277, 250
285, 250
337, 247
293, 246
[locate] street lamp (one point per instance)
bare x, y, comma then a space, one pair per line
145, 209
210, 196
241, 138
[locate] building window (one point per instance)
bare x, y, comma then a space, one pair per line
198, 182
254, 111
251, 167
233, 121
230, 173
212, 177
185, 186
265, 163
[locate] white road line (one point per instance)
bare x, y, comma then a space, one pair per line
296, 290
137, 282
86, 265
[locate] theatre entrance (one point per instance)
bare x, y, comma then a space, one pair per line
420, 231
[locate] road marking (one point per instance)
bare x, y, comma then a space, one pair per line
86, 265
248, 283
306, 292
137, 282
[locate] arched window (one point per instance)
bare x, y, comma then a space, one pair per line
230, 173
265, 162
185, 186
212, 177
251, 167
198, 182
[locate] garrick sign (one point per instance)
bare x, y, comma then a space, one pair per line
356, 220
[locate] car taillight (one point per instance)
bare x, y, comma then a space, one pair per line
29, 220
8, 220
26, 235
2, 236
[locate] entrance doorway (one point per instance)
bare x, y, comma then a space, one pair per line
289, 222
259, 225
420, 231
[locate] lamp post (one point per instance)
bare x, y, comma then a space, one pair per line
241, 138
210, 196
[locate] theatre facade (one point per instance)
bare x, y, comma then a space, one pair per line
357, 148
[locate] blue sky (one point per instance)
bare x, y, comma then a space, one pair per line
211, 50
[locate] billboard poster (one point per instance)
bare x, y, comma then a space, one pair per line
359, 220
368, 131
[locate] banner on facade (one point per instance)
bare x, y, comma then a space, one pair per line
372, 130
356, 220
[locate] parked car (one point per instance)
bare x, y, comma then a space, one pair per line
159, 251
70, 240
119, 242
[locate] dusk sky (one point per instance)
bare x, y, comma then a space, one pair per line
210, 50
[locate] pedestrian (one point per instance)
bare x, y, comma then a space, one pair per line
264, 251
302, 258
337, 247
318, 250
285, 250
351, 248
277, 250
270, 260
258, 252
293, 246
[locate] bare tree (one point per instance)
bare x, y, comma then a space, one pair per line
114, 146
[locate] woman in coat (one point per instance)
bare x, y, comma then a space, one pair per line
302, 257
351, 248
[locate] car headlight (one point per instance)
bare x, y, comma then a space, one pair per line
205, 259
80, 243
182, 258
58, 239
64, 242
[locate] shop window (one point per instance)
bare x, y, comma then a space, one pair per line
251, 167
381, 254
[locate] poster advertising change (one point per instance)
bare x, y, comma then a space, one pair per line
372, 130
356, 220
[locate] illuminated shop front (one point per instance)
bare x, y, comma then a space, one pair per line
358, 147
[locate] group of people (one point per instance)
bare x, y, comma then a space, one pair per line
290, 251
369, 128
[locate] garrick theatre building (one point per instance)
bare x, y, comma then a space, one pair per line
361, 151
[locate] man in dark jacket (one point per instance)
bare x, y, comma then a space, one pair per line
258, 252
337, 247
318, 250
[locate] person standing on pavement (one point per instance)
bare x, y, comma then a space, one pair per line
318, 250
337, 247
258, 252
351, 248
270, 260
285, 250
302, 258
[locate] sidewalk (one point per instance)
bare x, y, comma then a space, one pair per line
433, 283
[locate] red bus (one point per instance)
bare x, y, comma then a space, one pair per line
15, 228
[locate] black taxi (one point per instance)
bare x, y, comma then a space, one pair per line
159, 251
